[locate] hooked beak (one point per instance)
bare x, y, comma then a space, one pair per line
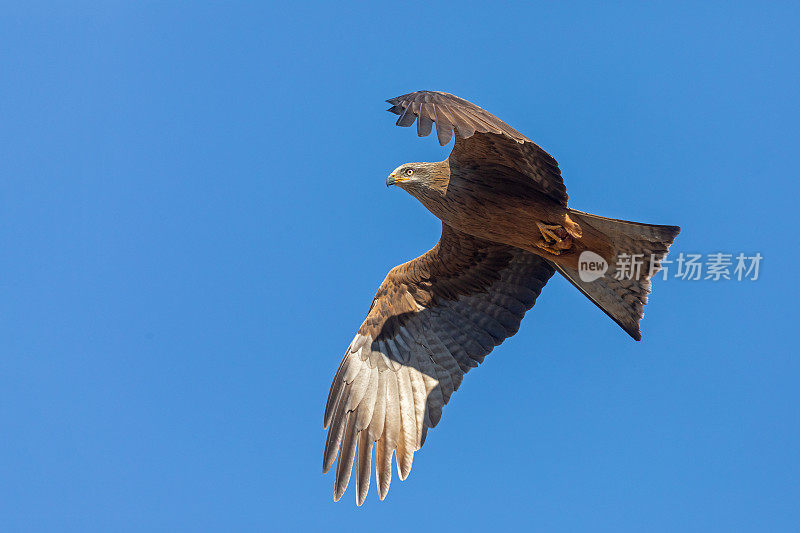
393, 179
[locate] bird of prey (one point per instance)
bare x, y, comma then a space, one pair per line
506, 229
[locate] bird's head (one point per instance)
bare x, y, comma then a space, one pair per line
418, 177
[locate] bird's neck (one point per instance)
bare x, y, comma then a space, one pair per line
441, 177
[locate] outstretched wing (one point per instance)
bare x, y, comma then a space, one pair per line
431, 320
483, 141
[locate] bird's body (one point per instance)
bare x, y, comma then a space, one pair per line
506, 229
473, 202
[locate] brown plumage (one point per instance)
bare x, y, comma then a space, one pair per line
506, 229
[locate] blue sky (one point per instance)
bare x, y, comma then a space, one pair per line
193, 221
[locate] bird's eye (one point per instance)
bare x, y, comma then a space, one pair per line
408, 171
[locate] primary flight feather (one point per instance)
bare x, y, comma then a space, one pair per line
506, 229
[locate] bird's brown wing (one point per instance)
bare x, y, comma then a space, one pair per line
431, 320
483, 141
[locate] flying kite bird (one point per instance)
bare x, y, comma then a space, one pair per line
506, 229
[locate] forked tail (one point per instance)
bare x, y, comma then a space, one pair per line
621, 289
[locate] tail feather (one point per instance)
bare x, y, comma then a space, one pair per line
638, 250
